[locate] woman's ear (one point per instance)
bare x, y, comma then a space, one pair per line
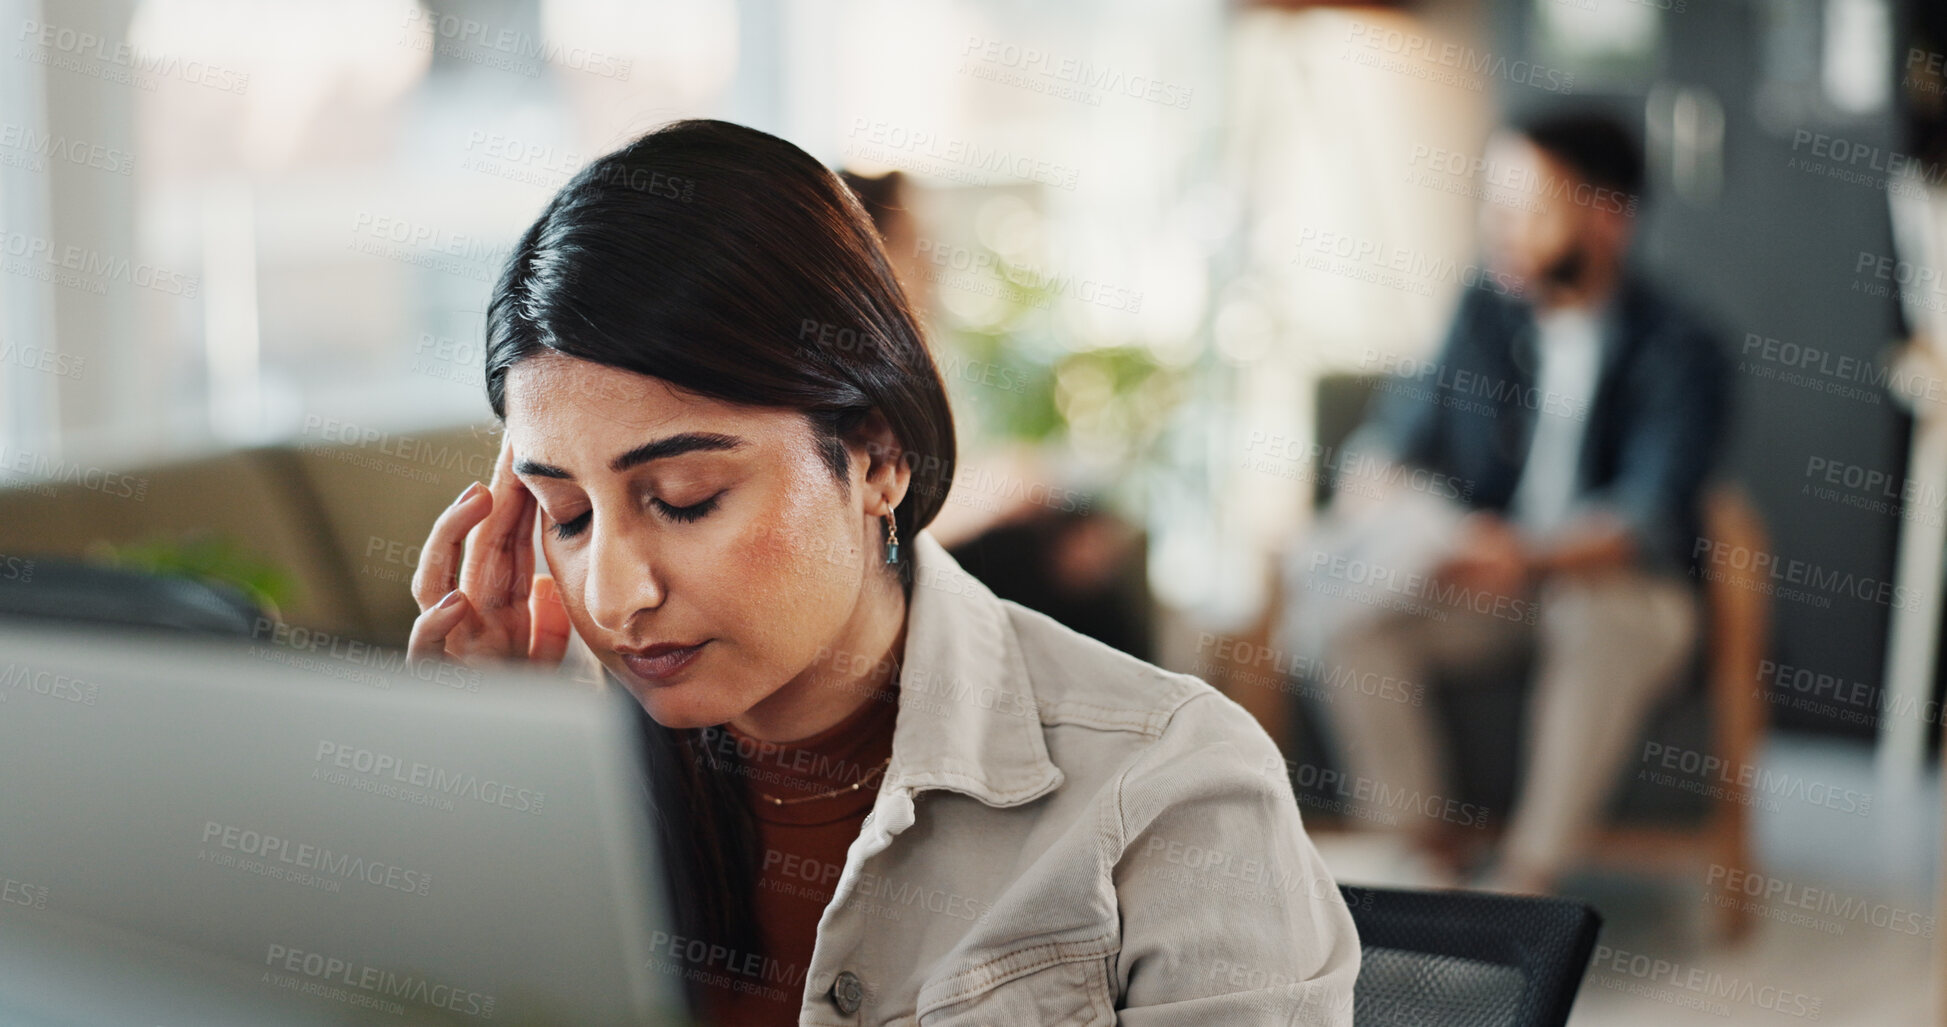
886, 472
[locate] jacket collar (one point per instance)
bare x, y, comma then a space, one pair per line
968, 720
1619, 320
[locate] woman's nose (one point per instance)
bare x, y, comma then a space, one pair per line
622, 581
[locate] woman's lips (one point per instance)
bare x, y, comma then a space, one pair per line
664, 664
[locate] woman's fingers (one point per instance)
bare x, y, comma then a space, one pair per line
551, 625
488, 576
522, 540
520, 570
428, 641
445, 550
477, 581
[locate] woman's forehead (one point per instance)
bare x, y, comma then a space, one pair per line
558, 403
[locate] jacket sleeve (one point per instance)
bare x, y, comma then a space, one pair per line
1228, 913
1404, 418
1679, 401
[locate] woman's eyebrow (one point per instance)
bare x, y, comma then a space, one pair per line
667, 446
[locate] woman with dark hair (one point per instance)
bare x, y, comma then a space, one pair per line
883, 794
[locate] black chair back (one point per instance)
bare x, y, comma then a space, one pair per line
1467, 959
69, 592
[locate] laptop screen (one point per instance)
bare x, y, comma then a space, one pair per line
198, 834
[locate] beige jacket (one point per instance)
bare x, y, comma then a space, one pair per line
1069, 835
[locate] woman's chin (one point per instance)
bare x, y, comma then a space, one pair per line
683, 707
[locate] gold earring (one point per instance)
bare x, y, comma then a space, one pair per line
892, 540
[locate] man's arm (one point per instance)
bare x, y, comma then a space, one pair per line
1678, 400
1402, 426
1596, 541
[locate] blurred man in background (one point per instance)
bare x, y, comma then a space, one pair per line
1575, 420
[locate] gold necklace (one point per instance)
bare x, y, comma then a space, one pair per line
853, 787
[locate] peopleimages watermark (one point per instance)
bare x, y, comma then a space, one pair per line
651, 181
1356, 795
1694, 987
1693, 770
1350, 470
1066, 78
96, 56
1509, 185
352, 659
1468, 390
85, 268
27, 679
518, 160
1271, 993
16, 568
1871, 489
506, 49
796, 874
1245, 875
794, 763
1403, 268
1830, 695
45, 359
1771, 574
1416, 593
33, 150
1447, 63
1855, 163
1800, 905
1931, 75
1921, 285
462, 361
423, 245
1821, 370
1235, 654
881, 895
923, 151
958, 479
982, 273
429, 785
303, 864
952, 367
22, 893
365, 446
42, 474
375, 987
717, 965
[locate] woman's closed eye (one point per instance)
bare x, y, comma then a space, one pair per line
572, 527
568, 529
685, 514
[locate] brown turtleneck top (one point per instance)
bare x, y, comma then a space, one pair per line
801, 848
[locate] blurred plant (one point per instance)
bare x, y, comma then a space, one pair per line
204, 557
1023, 382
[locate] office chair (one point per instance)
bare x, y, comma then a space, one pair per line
65, 591
1467, 959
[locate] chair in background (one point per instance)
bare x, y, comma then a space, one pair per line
1467, 959
1736, 634
340, 516
75, 593
1721, 709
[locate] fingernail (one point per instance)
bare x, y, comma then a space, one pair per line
468, 493
451, 599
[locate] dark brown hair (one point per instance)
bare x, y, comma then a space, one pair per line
727, 262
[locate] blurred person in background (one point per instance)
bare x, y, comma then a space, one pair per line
884, 198
1569, 425
1083, 566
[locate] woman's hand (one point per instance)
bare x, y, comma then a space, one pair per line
479, 598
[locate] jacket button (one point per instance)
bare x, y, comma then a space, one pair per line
847, 992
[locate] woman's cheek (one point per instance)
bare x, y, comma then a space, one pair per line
569, 578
